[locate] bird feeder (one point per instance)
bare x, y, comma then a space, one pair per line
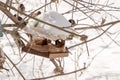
42, 30
48, 51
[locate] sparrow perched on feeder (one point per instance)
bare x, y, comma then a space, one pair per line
42, 42
72, 21
59, 43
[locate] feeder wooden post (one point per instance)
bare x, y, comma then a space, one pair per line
53, 61
58, 69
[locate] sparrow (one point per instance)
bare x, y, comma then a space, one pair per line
72, 21
59, 43
21, 8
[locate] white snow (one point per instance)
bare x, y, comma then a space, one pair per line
105, 66
47, 31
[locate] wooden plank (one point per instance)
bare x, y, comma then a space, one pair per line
58, 55
47, 48
46, 52
32, 51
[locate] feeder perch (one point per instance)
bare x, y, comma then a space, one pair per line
48, 51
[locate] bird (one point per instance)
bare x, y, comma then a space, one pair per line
42, 42
103, 21
21, 8
18, 17
84, 37
36, 14
72, 21
45, 42
59, 43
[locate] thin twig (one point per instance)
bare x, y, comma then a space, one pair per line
91, 39
43, 21
61, 74
14, 66
98, 26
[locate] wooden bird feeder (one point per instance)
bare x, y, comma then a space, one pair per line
48, 51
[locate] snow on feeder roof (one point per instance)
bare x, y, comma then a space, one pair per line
58, 20
50, 32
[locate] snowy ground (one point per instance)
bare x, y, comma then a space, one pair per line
105, 66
